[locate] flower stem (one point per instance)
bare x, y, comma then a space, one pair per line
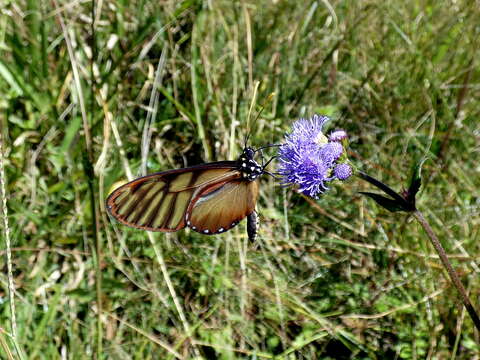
451, 272
409, 206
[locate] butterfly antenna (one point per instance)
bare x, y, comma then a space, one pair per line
245, 140
262, 107
268, 146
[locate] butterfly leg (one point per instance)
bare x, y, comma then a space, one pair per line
252, 226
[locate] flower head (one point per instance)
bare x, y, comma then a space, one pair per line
304, 169
331, 152
337, 135
342, 171
307, 131
309, 159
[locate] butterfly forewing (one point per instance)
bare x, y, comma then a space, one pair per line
220, 206
159, 202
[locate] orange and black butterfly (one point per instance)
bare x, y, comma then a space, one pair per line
210, 198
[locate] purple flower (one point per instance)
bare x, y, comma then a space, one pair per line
304, 169
337, 135
310, 160
330, 152
342, 171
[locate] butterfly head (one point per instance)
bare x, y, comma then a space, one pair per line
248, 166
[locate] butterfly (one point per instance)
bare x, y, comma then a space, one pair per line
209, 198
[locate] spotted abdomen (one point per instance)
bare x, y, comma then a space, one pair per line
252, 226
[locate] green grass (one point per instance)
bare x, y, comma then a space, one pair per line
337, 278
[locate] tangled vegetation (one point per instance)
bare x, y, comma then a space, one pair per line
155, 85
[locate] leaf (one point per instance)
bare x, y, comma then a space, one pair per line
384, 187
415, 183
8, 75
385, 202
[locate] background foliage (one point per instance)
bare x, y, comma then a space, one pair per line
337, 278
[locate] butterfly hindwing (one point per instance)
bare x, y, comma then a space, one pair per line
159, 202
220, 206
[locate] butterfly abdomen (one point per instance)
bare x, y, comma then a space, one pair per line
252, 226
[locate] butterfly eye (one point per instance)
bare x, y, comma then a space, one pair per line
249, 153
